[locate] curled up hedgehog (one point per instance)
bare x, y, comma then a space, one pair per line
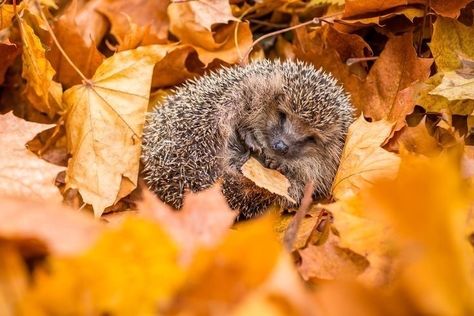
288, 115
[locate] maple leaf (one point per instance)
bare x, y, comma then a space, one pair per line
269, 179
104, 125
437, 103
82, 52
386, 92
13, 279
191, 22
219, 278
141, 13
415, 139
46, 227
131, 269
9, 51
363, 160
450, 38
201, 222
424, 213
329, 261
444, 8
22, 173
455, 87
43, 93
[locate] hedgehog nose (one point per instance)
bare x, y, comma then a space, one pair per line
280, 147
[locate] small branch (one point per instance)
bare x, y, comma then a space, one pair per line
292, 230
244, 60
53, 36
352, 61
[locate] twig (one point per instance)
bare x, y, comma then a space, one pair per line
53, 36
244, 60
352, 61
292, 230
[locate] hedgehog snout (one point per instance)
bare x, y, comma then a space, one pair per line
280, 147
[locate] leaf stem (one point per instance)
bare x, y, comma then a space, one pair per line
53, 36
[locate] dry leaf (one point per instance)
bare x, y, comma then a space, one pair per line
142, 13
43, 93
202, 221
269, 179
46, 227
423, 214
455, 87
22, 173
201, 14
131, 269
13, 279
450, 38
9, 52
219, 278
415, 139
444, 8
83, 53
104, 125
330, 262
386, 92
363, 160
439, 104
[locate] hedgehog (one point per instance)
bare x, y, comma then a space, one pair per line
290, 116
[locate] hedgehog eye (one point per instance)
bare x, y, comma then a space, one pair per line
282, 117
310, 140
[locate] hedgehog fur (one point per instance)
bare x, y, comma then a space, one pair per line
290, 116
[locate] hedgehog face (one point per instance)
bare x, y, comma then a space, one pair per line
289, 137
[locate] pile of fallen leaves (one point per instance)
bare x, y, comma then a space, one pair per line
76, 81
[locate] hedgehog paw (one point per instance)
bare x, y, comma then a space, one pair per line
250, 142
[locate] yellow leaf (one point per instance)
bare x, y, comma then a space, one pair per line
363, 160
131, 270
43, 93
428, 206
269, 179
221, 277
450, 38
414, 230
437, 103
455, 87
104, 125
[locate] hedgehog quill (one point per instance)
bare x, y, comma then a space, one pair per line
288, 115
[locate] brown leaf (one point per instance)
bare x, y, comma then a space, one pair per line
84, 54
9, 52
22, 173
142, 13
387, 93
203, 220
269, 179
415, 139
220, 278
43, 93
444, 8
201, 14
13, 279
330, 262
172, 69
363, 160
46, 227
227, 42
